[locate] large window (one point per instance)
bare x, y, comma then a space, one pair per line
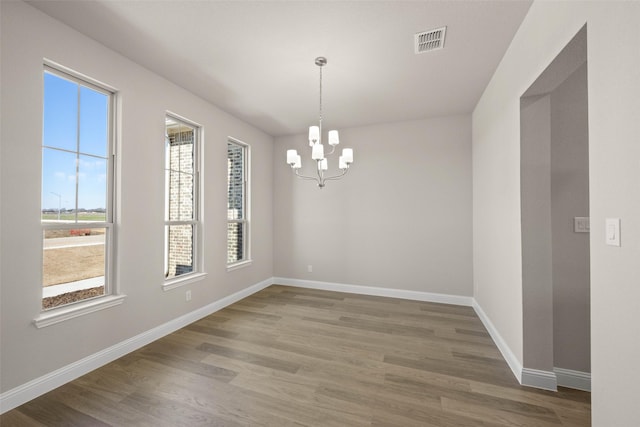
237, 206
181, 198
77, 190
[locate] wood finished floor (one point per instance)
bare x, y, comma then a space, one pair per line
299, 357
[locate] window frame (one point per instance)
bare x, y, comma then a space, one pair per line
198, 272
111, 296
246, 220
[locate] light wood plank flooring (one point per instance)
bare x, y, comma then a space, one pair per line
298, 357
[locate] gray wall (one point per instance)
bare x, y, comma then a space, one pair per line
400, 219
537, 254
614, 185
438, 227
555, 259
27, 37
569, 199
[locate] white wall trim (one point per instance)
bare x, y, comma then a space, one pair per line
545, 380
512, 360
529, 377
183, 280
34, 388
573, 379
375, 291
60, 314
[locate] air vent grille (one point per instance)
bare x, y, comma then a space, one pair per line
427, 41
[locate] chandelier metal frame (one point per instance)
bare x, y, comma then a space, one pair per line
317, 149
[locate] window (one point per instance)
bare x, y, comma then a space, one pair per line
77, 189
237, 206
181, 226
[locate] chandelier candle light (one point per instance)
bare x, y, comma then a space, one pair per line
317, 149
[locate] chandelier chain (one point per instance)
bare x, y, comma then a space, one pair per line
320, 103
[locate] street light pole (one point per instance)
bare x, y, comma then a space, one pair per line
59, 203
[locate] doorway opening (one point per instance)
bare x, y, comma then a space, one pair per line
554, 138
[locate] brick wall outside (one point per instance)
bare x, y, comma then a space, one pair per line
235, 204
181, 203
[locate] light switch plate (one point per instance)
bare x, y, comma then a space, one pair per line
612, 231
581, 224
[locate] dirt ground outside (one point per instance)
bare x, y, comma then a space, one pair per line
69, 297
70, 264
52, 234
76, 259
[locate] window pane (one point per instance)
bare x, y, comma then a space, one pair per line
235, 242
93, 122
167, 194
181, 143
180, 196
58, 185
60, 113
75, 172
236, 202
180, 155
235, 176
186, 151
92, 189
179, 250
73, 265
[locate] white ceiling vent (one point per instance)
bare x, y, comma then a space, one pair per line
429, 40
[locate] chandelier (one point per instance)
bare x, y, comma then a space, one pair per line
317, 149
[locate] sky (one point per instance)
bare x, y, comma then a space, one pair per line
75, 132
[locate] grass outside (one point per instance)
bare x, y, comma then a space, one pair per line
82, 216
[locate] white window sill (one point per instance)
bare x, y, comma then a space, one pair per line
238, 265
183, 280
57, 315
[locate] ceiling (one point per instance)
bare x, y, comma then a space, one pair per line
255, 59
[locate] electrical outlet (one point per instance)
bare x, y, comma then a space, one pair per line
310, 268
188, 295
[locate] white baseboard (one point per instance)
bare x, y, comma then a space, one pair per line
545, 380
34, 388
509, 357
539, 379
375, 291
573, 379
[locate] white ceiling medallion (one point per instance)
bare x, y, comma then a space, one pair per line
427, 41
